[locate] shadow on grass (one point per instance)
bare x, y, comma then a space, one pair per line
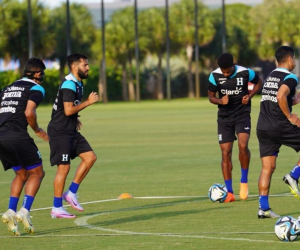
60, 228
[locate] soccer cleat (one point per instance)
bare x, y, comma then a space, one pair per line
60, 212
72, 200
23, 216
9, 217
263, 214
230, 197
293, 185
243, 191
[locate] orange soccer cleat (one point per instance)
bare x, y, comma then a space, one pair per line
230, 197
243, 191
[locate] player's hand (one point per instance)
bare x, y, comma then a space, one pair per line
245, 99
294, 120
42, 134
93, 97
224, 100
78, 125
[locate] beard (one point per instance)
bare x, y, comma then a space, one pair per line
82, 74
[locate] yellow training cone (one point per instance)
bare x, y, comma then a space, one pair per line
125, 196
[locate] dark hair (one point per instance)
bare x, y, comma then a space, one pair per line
74, 58
283, 52
34, 64
225, 61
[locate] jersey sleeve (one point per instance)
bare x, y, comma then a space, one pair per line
212, 85
291, 81
253, 77
37, 94
69, 90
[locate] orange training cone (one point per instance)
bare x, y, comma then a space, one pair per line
125, 196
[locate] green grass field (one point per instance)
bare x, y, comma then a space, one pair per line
166, 155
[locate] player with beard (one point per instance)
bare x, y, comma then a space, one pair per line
66, 142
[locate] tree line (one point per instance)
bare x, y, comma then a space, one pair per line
252, 33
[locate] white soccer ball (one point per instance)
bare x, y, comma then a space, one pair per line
287, 228
217, 193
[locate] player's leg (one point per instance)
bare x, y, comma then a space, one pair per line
264, 182
243, 129
268, 148
226, 165
9, 159
88, 158
244, 157
226, 135
87, 161
17, 184
292, 139
33, 183
60, 157
59, 184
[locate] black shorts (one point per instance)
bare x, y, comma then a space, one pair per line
63, 149
19, 154
271, 141
229, 127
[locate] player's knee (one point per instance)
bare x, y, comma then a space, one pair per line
92, 160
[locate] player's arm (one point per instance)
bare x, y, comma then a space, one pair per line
256, 80
215, 100
257, 87
31, 117
282, 94
70, 109
212, 90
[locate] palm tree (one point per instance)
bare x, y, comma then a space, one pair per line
183, 17
83, 32
14, 26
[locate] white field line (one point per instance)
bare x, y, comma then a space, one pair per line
114, 232
83, 223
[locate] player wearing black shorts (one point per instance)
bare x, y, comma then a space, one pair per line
66, 142
277, 126
230, 83
18, 151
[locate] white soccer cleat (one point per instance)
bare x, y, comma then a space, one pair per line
293, 185
60, 212
71, 198
23, 216
262, 214
9, 218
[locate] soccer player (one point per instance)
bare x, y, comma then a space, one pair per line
228, 88
66, 142
18, 151
277, 126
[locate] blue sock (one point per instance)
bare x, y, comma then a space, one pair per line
228, 184
264, 202
13, 203
244, 178
295, 173
27, 202
74, 187
57, 202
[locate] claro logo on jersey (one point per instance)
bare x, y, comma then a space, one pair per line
231, 92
